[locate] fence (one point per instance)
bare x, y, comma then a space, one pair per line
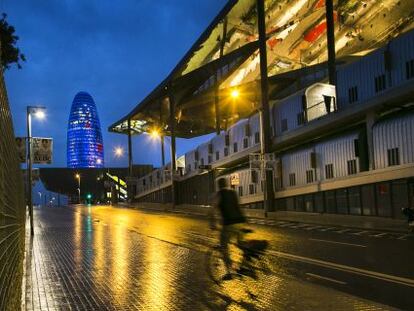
12, 211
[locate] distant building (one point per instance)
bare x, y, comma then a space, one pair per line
84, 144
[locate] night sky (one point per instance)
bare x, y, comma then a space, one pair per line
118, 51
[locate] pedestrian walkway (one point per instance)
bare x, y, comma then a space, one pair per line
78, 261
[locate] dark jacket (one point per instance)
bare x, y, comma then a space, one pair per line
228, 204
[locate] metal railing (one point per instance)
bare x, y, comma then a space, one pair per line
12, 211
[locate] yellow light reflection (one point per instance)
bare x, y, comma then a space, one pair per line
78, 238
157, 291
120, 258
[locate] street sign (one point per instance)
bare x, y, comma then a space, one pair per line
21, 148
42, 150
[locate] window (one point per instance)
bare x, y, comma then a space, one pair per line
252, 189
240, 191
353, 94
356, 147
227, 139
245, 142
309, 176
217, 155
301, 118
196, 155
278, 183
189, 168
210, 159
329, 171
235, 149
202, 161
195, 165
352, 169
226, 152
284, 125
393, 156
380, 83
257, 137
143, 182
292, 179
409, 69
247, 131
210, 148
253, 176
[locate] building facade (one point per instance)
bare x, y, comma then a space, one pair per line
344, 149
84, 139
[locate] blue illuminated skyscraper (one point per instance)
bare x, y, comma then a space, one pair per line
85, 145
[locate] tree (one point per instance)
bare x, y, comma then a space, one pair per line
10, 53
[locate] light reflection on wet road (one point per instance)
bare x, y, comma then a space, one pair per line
104, 258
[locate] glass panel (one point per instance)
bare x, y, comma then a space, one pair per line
330, 202
368, 200
300, 206
290, 204
399, 190
383, 194
354, 199
308, 200
319, 206
342, 201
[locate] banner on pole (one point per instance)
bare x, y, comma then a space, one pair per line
42, 150
21, 148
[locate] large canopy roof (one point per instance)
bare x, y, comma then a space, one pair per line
226, 56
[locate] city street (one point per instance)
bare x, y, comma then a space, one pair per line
105, 258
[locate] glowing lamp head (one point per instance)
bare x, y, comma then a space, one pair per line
40, 114
118, 151
155, 133
77, 176
235, 93
98, 161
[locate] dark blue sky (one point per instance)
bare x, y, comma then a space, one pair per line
118, 51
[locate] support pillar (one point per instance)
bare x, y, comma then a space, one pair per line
162, 150
216, 90
264, 107
173, 156
370, 120
330, 34
129, 186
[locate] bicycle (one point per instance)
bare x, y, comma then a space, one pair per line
248, 262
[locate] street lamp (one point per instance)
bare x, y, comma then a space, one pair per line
78, 177
235, 93
39, 113
119, 152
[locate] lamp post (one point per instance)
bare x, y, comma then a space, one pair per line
118, 152
38, 112
78, 177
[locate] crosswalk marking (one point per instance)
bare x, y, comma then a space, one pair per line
322, 228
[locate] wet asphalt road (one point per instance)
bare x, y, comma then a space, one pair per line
100, 257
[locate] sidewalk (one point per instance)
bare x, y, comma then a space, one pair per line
346, 221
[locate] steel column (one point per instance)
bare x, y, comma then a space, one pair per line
264, 107
29, 168
130, 161
330, 35
172, 133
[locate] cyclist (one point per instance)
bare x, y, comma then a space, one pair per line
231, 218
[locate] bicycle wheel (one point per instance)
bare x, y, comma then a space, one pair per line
214, 263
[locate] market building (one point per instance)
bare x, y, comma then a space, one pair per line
311, 102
